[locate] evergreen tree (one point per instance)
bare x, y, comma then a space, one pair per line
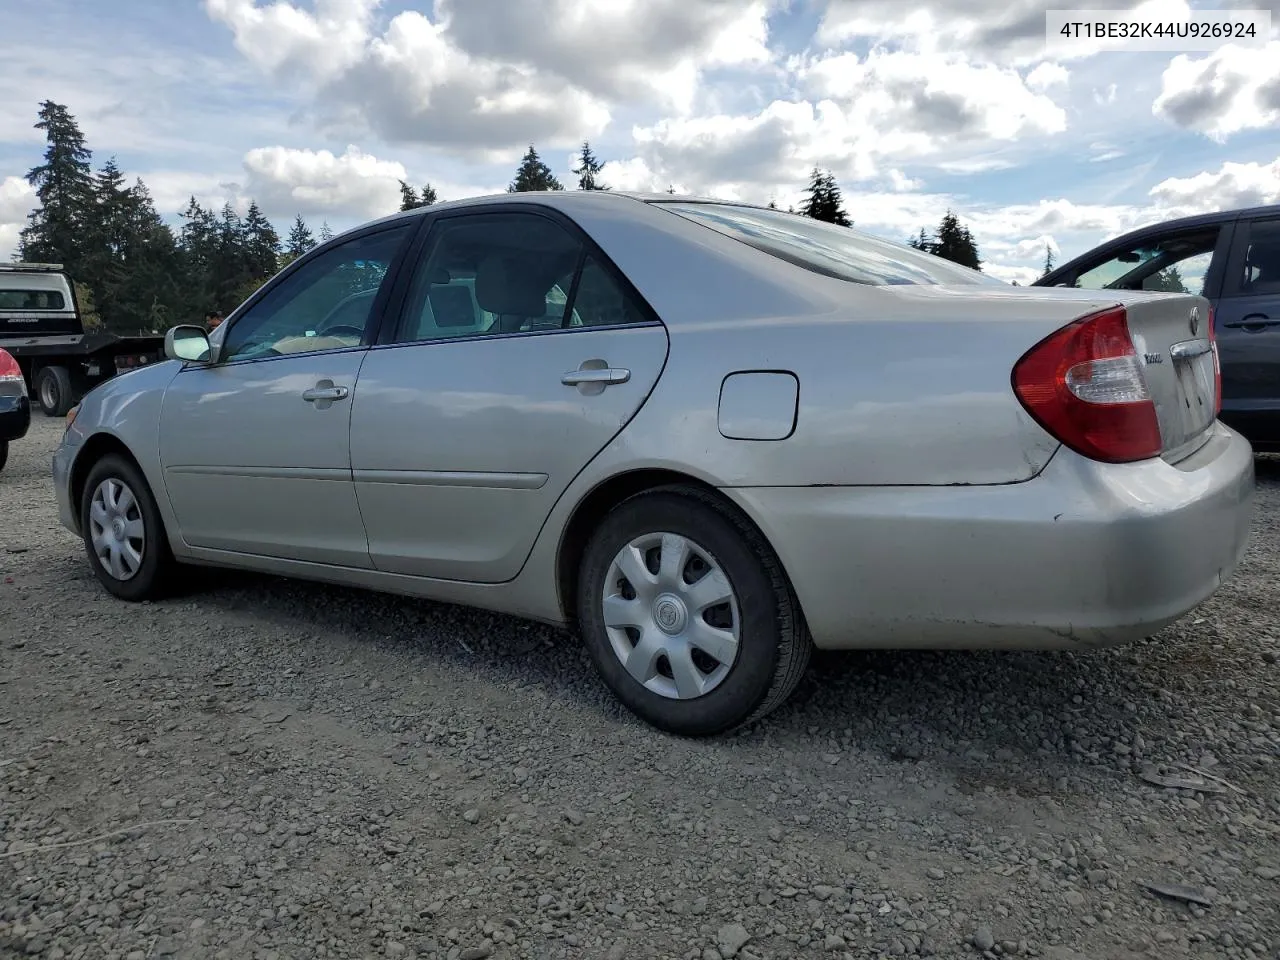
824, 201
773, 204
300, 238
533, 174
954, 242
588, 169
1168, 280
262, 246
55, 232
428, 196
920, 241
1048, 260
325, 233
408, 197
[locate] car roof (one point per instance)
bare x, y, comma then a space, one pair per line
556, 199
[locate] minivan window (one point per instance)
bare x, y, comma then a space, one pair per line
834, 251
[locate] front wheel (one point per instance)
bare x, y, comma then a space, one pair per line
123, 534
687, 614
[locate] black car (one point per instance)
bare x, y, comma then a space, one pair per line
15, 408
1233, 259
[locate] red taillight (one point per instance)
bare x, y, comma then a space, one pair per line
1084, 384
9, 370
1217, 366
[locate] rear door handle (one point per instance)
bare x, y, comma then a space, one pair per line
608, 375
324, 393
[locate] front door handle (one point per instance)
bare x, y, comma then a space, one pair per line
604, 375
325, 392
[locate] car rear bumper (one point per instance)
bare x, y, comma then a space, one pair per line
1084, 555
15, 417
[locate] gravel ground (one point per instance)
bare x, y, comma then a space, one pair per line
265, 769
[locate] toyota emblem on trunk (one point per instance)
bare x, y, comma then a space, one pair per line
1195, 320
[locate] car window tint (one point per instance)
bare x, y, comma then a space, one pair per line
1172, 264
323, 305
601, 301
32, 300
826, 248
491, 273
1260, 271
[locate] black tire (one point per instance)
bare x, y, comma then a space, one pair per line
155, 574
773, 645
54, 392
4, 453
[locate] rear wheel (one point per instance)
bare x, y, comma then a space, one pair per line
4, 453
687, 614
123, 534
54, 391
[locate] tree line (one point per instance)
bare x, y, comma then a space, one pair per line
133, 273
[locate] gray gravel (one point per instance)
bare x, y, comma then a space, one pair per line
263, 769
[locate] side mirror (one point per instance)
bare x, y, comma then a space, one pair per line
188, 343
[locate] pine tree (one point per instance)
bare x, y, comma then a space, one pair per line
262, 244
325, 232
954, 242
773, 204
300, 238
408, 197
64, 185
824, 201
1048, 260
533, 174
920, 241
588, 169
428, 196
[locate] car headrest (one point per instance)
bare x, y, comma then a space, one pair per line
1266, 257
505, 286
452, 307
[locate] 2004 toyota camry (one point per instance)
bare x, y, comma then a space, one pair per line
711, 435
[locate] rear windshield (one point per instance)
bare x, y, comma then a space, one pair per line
31, 300
825, 248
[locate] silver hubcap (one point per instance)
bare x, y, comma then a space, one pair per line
671, 616
47, 394
116, 529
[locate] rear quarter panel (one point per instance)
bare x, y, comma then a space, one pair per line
897, 385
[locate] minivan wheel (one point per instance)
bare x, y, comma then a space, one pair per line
123, 534
687, 614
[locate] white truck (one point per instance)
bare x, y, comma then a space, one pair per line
40, 326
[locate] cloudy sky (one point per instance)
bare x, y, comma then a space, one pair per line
319, 107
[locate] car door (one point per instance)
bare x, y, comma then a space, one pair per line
256, 445
520, 352
1247, 321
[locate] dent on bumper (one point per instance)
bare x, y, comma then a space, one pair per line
1084, 555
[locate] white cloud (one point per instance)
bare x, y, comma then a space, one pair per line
1048, 75
354, 183
1230, 90
1232, 185
17, 198
489, 75
891, 106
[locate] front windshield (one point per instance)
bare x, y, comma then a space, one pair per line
826, 248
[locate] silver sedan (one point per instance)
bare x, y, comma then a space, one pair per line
709, 436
